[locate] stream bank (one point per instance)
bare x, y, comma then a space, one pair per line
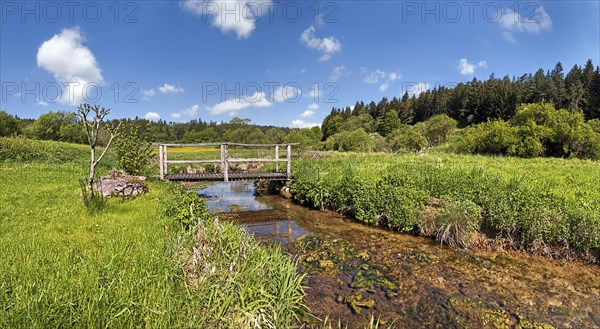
355, 272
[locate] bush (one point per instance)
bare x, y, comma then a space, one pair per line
494, 137
438, 128
355, 141
9, 125
133, 153
406, 138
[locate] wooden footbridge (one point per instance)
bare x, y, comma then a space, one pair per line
203, 152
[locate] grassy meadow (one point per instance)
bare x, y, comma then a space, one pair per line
132, 264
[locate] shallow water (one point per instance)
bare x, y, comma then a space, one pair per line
355, 272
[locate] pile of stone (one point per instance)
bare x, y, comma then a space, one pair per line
118, 183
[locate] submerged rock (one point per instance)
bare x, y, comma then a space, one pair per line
285, 192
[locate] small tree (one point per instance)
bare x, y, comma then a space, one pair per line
92, 129
133, 152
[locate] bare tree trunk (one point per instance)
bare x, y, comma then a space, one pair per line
92, 173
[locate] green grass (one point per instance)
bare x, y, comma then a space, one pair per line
126, 265
61, 267
527, 201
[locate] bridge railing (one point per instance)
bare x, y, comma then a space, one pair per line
225, 159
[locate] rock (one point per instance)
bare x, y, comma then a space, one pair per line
117, 183
285, 192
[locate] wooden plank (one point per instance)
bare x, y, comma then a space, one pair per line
161, 162
252, 160
193, 161
289, 161
276, 158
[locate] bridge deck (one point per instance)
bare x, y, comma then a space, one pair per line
233, 176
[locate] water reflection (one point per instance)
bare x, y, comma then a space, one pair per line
236, 201
230, 197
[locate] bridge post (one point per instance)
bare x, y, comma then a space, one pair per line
160, 160
224, 162
165, 159
289, 161
276, 158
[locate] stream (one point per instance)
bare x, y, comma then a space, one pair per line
356, 272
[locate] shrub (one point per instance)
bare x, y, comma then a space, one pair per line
355, 141
133, 153
9, 125
438, 128
494, 137
406, 138
400, 202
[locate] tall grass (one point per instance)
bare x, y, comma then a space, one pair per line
127, 265
527, 201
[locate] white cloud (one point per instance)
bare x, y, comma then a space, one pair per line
170, 89
149, 93
189, 112
373, 77
302, 124
379, 76
328, 46
466, 68
307, 114
42, 103
71, 63
338, 72
238, 16
152, 116
310, 110
536, 22
235, 105
286, 93
313, 107
417, 88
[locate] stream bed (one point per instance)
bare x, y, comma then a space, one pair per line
356, 272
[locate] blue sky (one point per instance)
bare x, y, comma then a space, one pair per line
278, 63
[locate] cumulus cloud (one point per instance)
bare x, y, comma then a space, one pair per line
170, 89
310, 110
379, 76
466, 68
235, 105
149, 93
307, 114
238, 16
512, 22
189, 112
328, 46
70, 62
152, 116
313, 107
302, 124
338, 72
286, 93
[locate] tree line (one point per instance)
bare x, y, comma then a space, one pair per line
67, 127
475, 101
